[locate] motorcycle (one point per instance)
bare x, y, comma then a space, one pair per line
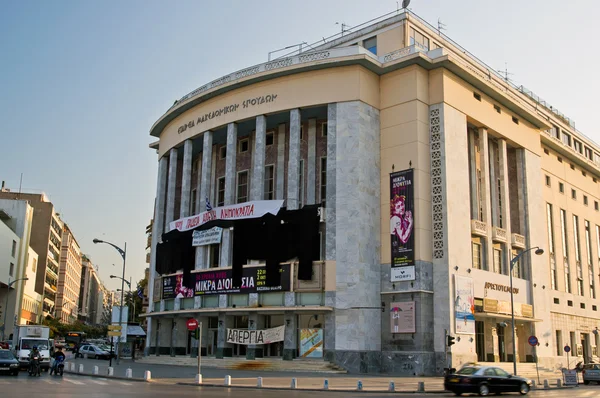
34, 366
59, 367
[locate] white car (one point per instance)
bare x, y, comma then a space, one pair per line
93, 351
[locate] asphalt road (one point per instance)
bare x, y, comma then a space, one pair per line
90, 387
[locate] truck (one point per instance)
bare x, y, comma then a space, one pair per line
27, 336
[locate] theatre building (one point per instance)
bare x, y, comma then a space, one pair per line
359, 202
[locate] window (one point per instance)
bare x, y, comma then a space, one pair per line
516, 271
323, 181
243, 146
596, 205
301, 132
582, 305
550, 225
14, 249
515, 120
34, 265
269, 182
573, 194
565, 250
497, 261
578, 255
418, 39
594, 308
497, 108
371, 44
555, 132
556, 300
214, 253
269, 138
573, 340
476, 254
11, 270
324, 129
570, 303
566, 138
548, 180
588, 249
578, 146
193, 201
500, 212
242, 186
301, 182
223, 152
561, 187
559, 345
585, 200
589, 153
477, 96
221, 192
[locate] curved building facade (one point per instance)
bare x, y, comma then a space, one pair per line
361, 202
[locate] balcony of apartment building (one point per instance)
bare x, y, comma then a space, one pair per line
50, 283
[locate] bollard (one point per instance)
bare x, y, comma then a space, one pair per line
392, 386
294, 384
148, 376
421, 386
326, 385
85, 356
80, 368
72, 367
198, 379
359, 385
259, 382
533, 385
227, 380
111, 371
546, 385
96, 370
558, 383
128, 373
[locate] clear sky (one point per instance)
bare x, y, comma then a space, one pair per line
82, 82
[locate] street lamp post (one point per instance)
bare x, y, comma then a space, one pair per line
539, 252
130, 295
123, 253
6, 306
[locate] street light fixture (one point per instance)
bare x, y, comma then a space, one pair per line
538, 252
123, 253
6, 306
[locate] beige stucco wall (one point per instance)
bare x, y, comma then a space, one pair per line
390, 40
306, 89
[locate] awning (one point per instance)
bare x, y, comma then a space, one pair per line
504, 316
135, 330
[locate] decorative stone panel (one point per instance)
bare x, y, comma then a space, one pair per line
436, 183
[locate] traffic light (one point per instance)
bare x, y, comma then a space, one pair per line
450, 340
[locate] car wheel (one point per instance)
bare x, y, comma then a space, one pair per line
586, 382
523, 389
484, 390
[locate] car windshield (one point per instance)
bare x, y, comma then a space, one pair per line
469, 370
6, 355
27, 344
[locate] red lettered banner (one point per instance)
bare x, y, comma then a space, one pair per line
254, 209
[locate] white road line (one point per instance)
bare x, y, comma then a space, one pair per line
50, 381
74, 382
98, 382
124, 384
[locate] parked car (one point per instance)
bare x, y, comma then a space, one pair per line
4, 345
93, 351
108, 349
485, 380
591, 372
8, 363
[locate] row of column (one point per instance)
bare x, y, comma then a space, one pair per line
167, 183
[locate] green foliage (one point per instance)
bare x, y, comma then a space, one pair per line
60, 330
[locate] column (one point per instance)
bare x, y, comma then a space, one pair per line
157, 335
173, 336
331, 183
157, 229
495, 344
473, 175
224, 349
230, 188
280, 172
198, 184
493, 187
255, 322
257, 186
186, 179
290, 343
171, 184
311, 180
486, 199
203, 193
293, 185
504, 194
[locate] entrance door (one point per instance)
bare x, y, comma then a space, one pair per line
480, 341
211, 348
188, 348
584, 344
501, 344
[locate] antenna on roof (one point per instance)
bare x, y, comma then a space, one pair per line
344, 27
441, 26
506, 73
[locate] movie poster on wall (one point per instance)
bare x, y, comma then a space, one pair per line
173, 287
402, 317
464, 305
402, 226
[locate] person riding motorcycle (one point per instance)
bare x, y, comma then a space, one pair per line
59, 357
34, 353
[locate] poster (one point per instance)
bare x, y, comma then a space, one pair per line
402, 317
311, 343
464, 305
246, 337
172, 287
401, 221
157, 291
207, 237
253, 281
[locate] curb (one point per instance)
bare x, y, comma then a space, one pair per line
109, 377
262, 370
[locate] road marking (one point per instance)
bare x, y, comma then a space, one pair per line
74, 382
99, 382
124, 384
50, 381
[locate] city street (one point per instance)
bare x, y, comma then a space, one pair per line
72, 385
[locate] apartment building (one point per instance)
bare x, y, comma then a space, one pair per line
69, 278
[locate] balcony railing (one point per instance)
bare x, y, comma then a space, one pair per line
518, 241
499, 234
478, 228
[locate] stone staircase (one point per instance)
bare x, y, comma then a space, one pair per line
265, 364
526, 369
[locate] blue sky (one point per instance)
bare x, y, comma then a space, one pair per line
81, 83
